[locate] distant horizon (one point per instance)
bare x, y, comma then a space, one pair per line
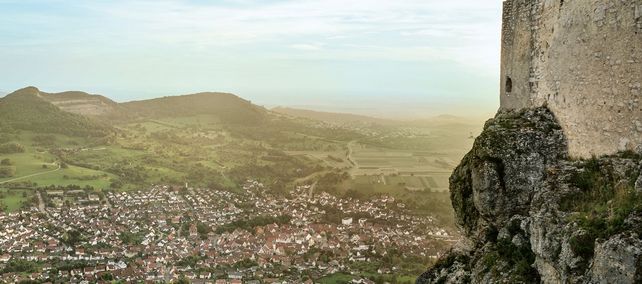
387, 57
392, 114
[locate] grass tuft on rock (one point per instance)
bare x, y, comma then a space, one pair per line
600, 206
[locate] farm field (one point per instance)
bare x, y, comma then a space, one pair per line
374, 160
384, 170
335, 159
393, 185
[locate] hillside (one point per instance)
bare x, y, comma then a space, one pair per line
25, 109
226, 107
82, 103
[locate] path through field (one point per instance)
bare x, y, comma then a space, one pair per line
350, 159
31, 175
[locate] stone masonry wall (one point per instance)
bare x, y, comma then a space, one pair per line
582, 59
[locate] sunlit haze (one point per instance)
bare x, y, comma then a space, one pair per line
410, 58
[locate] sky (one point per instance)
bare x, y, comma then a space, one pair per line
406, 58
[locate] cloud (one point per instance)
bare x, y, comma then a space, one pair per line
306, 47
190, 42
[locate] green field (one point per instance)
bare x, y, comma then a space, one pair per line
38, 165
12, 199
32, 160
76, 176
336, 278
28, 163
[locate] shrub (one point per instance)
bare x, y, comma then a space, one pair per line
44, 140
583, 245
520, 259
6, 162
11, 148
6, 171
19, 265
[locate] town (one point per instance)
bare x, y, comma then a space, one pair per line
171, 233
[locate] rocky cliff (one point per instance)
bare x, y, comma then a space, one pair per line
531, 214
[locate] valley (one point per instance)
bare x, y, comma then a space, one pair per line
93, 150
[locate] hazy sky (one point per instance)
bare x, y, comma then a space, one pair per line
392, 57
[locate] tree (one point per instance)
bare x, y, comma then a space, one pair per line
6, 171
72, 237
203, 230
116, 184
106, 277
182, 280
11, 147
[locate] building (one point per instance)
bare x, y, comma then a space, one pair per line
346, 221
583, 60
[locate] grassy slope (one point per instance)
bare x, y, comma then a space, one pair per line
32, 160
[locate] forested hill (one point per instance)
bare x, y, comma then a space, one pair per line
226, 107
25, 109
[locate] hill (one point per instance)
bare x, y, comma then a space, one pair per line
226, 107
26, 109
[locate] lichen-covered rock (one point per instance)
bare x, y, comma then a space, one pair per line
531, 214
618, 260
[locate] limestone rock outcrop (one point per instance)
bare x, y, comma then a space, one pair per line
531, 214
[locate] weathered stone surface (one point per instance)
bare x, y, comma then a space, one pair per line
618, 260
518, 145
638, 183
582, 59
511, 195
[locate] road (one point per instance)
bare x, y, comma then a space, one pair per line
350, 159
31, 175
41, 203
311, 193
314, 175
